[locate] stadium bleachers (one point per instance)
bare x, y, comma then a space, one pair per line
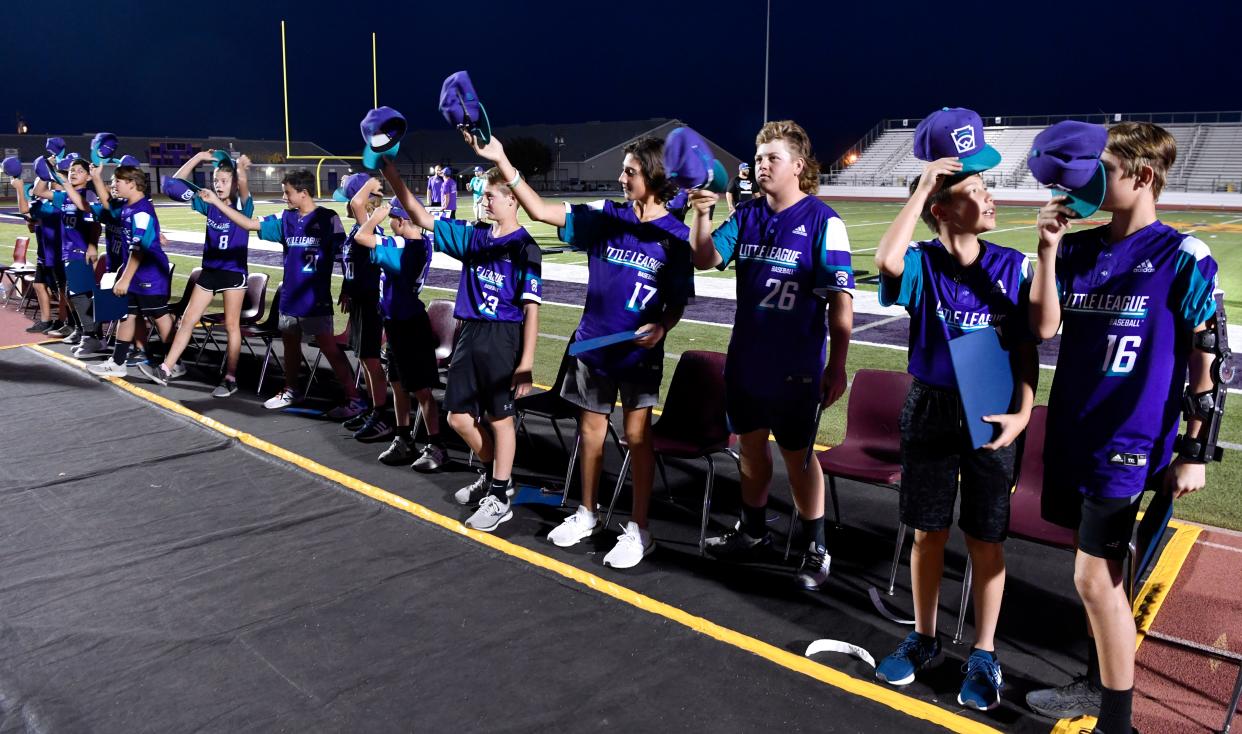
1209, 157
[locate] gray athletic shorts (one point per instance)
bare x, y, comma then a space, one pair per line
310, 326
586, 388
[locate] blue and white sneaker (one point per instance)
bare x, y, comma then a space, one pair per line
911, 656
983, 684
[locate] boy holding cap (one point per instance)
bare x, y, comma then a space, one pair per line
311, 236
793, 262
498, 302
953, 284
49, 270
1129, 294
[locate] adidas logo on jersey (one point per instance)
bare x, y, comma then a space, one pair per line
800, 229
999, 287
1145, 267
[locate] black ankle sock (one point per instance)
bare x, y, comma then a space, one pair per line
435, 440
1093, 663
500, 489
1114, 711
927, 639
809, 530
120, 352
754, 520
404, 432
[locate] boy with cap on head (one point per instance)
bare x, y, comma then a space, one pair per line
404, 259
741, 189
1129, 295
311, 236
498, 302
793, 262
224, 264
953, 284
448, 193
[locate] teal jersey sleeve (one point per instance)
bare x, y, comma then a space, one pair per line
143, 230
200, 206
834, 267
387, 254
272, 228
907, 290
724, 239
1196, 281
452, 237
585, 225
247, 207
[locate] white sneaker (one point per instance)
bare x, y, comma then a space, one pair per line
282, 399
576, 527
632, 547
108, 368
87, 347
490, 514
178, 370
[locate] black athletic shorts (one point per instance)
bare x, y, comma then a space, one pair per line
480, 377
412, 352
935, 451
365, 328
50, 275
150, 306
1104, 524
787, 414
215, 280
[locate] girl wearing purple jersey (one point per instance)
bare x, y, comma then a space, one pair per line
640, 278
952, 285
223, 270
793, 261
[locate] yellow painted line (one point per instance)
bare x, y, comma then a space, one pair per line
883, 695
28, 344
1149, 600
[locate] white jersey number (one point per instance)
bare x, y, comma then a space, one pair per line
783, 296
642, 295
1121, 354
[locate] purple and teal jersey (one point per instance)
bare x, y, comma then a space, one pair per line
404, 266
433, 190
477, 184
787, 263
946, 300
311, 243
1128, 310
637, 271
679, 205
362, 276
77, 226
225, 247
47, 230
498, 275
116, 242
142, 231
448, 193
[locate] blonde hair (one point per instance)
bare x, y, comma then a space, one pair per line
799, 143
1138, 144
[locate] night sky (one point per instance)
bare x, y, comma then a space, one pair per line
836, 67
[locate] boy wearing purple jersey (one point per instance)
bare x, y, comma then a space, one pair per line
145, 279
404, 259
79, 235
640, 277
44, 223
951, 285
1129, 296
223, 270
448, 193
115, 254
498, 302
311, 236
793, 261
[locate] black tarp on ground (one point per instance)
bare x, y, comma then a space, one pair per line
158, 577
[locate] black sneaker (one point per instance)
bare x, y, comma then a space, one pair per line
737, 545
814, 569
375, 429
1079, 697
400, 451
227, 387
39, 327
58, 329
358, 421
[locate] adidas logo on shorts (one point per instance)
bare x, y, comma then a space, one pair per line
1145, 267
800, 229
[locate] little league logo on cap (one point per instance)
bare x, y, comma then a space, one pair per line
690, 164
1066, 157
103, 146
178, 189
382, 130
55, 147
350, 185
461, 107
955, 132
13, 167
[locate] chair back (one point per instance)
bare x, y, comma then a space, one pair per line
20, 246
874, 411
178, 308
256, 298
273, 312
694, 408
1025, 520
444, 326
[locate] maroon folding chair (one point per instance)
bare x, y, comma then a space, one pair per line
692, 426
268, 332
17, 268
444, 326
871, 450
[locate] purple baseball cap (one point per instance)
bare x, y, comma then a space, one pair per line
13, 167
1066, 157
103, 145
382, 129
129, 160
398, 211
350, 186
178, 189
478, 169
743, 166
461, 107
955, 132
64, 163
689, 162
55, 147
43, 171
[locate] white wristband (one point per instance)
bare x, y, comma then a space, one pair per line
517, 179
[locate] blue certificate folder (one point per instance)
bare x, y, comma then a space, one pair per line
109, 306
984, 379
600, 341
81, 276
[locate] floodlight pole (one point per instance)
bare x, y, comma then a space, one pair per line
374, 74
767, 44
284, 76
